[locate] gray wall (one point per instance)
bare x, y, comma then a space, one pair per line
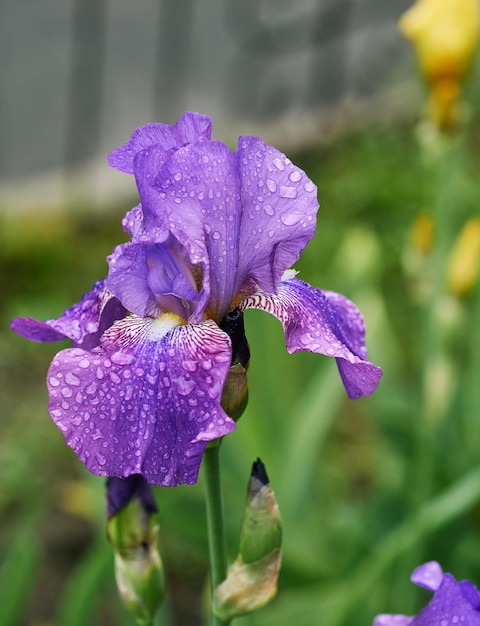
78, 75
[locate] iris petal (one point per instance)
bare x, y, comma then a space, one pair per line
392, 620
189, 128
147, 401
279, 206
323, 322
244, 216
83, 323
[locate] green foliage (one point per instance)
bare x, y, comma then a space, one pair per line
367, 489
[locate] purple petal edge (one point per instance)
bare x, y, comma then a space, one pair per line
325, 323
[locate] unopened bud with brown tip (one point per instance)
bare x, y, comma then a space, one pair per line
252, 579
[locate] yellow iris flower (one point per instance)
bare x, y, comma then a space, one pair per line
445, 34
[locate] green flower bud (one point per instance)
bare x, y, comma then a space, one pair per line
261, 530
133, 532
252, 579
235, 391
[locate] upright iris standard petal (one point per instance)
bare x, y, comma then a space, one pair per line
189, 128
83, 323
244, 216
147, 401
279, 207
322, 322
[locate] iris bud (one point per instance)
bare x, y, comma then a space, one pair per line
132, 531
252, 579
235, 391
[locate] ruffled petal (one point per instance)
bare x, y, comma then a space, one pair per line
189, 128
279, 207
322, 322
83, 323
147, 401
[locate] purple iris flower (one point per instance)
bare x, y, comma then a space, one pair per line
453, 602
216, 233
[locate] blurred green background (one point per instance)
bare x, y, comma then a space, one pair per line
368, 489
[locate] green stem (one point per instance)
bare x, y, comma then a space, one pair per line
216, 534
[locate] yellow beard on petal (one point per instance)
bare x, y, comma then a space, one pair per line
161, 325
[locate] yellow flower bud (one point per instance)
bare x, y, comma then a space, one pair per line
445, 35
464, 262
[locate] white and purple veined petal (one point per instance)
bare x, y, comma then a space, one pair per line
322, 322
147, 401
83, 323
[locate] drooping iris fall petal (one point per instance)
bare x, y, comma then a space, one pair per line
147, 401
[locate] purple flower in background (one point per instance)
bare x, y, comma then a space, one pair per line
452, 603
215, 234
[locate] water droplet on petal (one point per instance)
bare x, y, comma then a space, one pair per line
309, 186
272, 185
122, 358
295, 176
101, 460
71, 379
287, 192
278, 163
269, 210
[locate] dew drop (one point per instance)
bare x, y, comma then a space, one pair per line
278, 163
177, 176
71, 379
216, 235
54, 382
295, 176
290, 219
287, 192
101, 460
272, 185
269, 210
309, 186
122, 358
